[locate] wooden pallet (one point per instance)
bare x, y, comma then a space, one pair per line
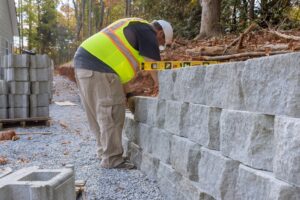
24, 122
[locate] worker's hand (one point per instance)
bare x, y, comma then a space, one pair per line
130, 100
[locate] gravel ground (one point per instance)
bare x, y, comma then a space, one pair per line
72, 143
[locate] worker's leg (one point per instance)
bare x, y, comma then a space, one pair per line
83, 79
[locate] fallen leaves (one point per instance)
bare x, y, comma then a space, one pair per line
3, 160
7, 135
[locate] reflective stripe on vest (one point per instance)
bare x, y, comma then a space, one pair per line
114, 50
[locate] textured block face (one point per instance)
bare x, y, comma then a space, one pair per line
3, 87
174, 112
222, 86
40, 61
3, 101
18, 112
248, 137
135, 154
149, 165
144, 137
3, 113
39, 100
22, 87
130, 128
39, 111
260, 185
200, 124
185, 156
40, 87
39, 74
19, 61
217, 174
189, 85
145, 110
18, 101
272, 85
287, 154
167, 79
161, 144
16, 74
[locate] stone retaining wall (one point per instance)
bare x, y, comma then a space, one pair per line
227, 131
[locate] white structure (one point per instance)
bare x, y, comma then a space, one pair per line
8, 28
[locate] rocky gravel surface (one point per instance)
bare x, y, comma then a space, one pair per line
69, 141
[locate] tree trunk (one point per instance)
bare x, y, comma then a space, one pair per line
251, 10
79, 16
127, 8
90, 18
210, 18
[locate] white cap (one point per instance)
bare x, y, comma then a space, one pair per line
168, 31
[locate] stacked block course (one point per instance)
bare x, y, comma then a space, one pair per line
28, 80
222, 132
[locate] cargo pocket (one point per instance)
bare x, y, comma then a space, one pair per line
115, 89
83, 73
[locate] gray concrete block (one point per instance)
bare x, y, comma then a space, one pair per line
200, 124
14, 113
261, 185
39, 100
287, 149
20, 87
185, 156
161, 140
217, 174
223, 87
130, 128
16, 61
168, 78
38, 184
18, 100
271, 85
144, 137
39, 111
189, 84
40, 61
3, 87
135, 154
3, 113
39, 74
3, 101
248, 137
149, 165
125, 145
16, 74
173, 116
40, 87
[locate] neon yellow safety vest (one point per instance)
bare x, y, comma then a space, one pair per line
111, 47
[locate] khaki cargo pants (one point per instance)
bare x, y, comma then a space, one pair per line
103, 98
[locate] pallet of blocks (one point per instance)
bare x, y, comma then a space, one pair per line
28, 82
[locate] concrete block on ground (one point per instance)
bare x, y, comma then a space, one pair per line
18, 100
40, 61
37, 184
261, 185
39, 100
168, 78
189, 84
16, 61
201, 125
185, 156
144, 137
223, 87
39, 111
161, 140
3, 113
135, 154
271, 85
149, 165
130, 128
39, 74
287, 151
16, 74
3, 101
248, 137
19, 87
173, 117
18, 113
39, 87
125, 145
217, 174
3, 87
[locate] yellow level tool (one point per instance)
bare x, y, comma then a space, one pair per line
162, 65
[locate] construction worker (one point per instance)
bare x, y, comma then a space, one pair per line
104, 64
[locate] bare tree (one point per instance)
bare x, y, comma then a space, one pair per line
79, 13
210, 18
251, 10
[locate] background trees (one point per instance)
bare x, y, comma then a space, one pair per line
58, 27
